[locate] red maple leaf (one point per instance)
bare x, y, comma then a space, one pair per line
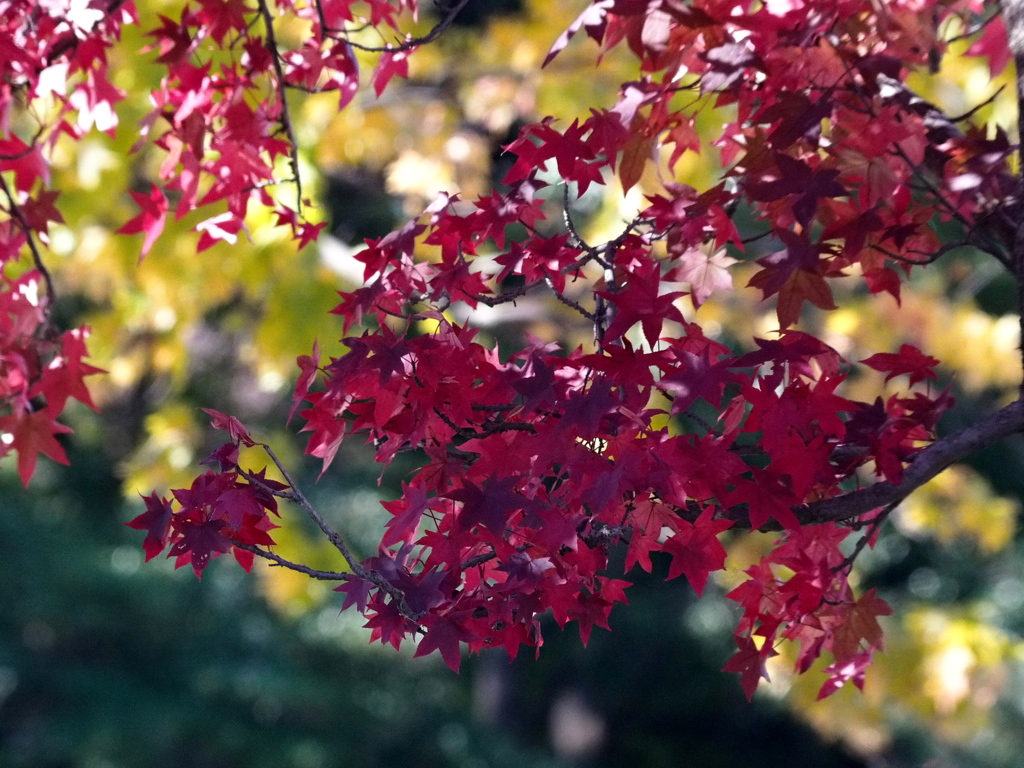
236, 504
26, 162
705, 274
842, 672
694, 378
328, 430
749, 662
198, 542
640, 301
591, 610
696, 550
357, 593
309, 365
407, 512
993, 43
233, 426
32, 433
792, 177
765, 497
860, 625
571, 152
391, 64
648, 518
445, 635
488, 506
156, 521
64, 377
222, 16
151, 220
387, 624
909, 360
40, 210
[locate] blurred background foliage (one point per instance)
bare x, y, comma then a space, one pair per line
105, 663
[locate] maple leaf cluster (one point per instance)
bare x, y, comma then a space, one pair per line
50, 50
39, 372
535, 466
223, 511
532, 466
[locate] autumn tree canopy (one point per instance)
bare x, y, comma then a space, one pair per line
656, 434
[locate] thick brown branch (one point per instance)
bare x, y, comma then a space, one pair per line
926, 465
1013, 16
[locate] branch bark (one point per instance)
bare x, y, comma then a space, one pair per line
313, 573
926, 465
1013, 17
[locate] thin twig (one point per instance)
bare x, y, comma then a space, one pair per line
569, 224
29, 147
971, 112
569, 302
972, 31
416, 42
335, 538
755, 238
37, 258
934, 190
313, 573
505, 298
873, 526
930, 258
324, 26
486, 430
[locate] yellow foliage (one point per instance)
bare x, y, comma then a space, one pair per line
959, 503
981, 351
943, 668
166, 459
288, 591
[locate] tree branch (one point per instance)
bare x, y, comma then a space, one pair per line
1013, 16
413, 42
569, 302
18, 215
925, 465
313, 573
282, 94
929, 258
333, 536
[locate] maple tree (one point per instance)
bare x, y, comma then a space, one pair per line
532, 467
